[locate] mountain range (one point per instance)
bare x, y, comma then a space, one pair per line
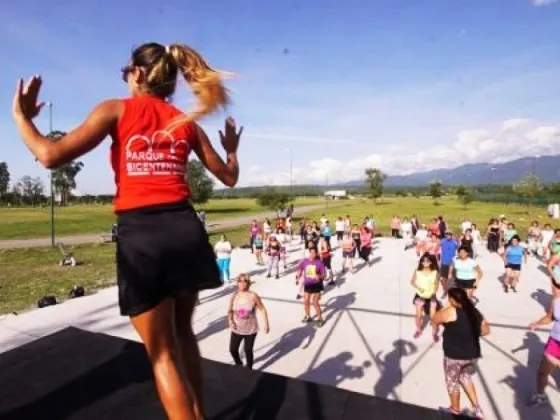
546, 167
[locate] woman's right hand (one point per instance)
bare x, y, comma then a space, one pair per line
230, 136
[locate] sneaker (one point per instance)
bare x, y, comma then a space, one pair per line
277, 276
506, 288
320, 323
306, 319
268, 276
537, 400
513, 289
298, 296
331, 283
435, 338
417, 334
475, 412
449, 410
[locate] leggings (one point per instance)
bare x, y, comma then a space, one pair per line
273, 262
457, 372
248, 345
223, 264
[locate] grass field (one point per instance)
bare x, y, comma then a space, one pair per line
27, 274
21, 223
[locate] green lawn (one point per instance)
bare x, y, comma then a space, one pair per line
28, 274
21, 223
449, 207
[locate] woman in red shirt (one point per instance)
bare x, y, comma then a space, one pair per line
164, 257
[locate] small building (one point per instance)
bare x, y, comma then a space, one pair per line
335, 194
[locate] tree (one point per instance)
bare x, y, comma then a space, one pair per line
466, 198
199, 182
374, 182
528, 186
4, 180
461, 191
29, 189
64, 177
273, 199
436, 190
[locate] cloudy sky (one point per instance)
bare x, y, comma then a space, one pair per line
334, 86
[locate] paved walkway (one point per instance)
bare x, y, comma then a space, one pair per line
366, 344
89, 238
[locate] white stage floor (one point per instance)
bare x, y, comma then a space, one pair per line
366, 344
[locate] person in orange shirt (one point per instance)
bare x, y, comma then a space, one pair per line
164, 257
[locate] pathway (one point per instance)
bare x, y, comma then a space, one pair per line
367, 343
89, 238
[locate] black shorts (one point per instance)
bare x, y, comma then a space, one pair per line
327, 262
465, 284
314, 288
514, 267
444, 271
339, 235
162, 251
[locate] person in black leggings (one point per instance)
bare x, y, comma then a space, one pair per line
243, 322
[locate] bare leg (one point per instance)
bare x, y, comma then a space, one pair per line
156, 329
190, 353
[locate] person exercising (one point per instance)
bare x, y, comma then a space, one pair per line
164, 257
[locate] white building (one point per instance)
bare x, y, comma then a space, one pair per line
335, 194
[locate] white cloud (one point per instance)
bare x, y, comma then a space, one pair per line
515, 138
540, 3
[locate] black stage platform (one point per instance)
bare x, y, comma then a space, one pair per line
75, 374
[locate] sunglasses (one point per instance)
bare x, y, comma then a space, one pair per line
125, 71
243, 281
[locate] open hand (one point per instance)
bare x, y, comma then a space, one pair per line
26, 99
230, 136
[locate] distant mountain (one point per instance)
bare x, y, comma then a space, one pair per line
546, 167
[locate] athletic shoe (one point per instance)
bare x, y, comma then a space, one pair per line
306, 319
475, 412
320, 323
537, 400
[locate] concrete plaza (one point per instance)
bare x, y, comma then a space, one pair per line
367, 342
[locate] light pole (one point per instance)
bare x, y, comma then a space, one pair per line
291, 175
50, 106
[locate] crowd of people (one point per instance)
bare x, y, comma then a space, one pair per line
447, 262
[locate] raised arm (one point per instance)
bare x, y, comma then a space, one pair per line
228, 171
88, 135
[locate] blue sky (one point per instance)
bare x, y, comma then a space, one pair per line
403, 85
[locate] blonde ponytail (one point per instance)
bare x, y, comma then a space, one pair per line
205, 82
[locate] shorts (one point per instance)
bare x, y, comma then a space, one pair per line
465, 284
339, 235
349, 254
162, 251
444, 271
514, 267
552, 349
327, 262
426, 303
314, 288
258, 248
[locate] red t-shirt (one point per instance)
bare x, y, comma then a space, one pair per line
149, 162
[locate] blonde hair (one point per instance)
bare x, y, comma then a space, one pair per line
161, 66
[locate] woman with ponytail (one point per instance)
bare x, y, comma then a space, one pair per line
164, 257
463, 326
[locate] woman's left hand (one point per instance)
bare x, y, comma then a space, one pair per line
266, 329
25, 103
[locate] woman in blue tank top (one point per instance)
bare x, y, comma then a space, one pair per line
515, 256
